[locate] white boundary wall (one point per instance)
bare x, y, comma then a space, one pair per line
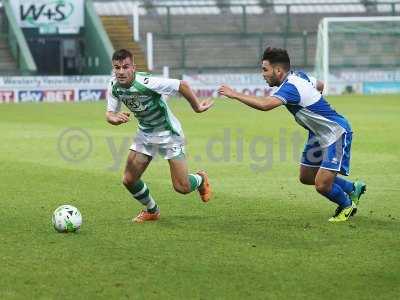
16, 89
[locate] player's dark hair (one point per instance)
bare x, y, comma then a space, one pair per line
121, 54
277, 56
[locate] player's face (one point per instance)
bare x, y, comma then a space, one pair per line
269, 73
124, 70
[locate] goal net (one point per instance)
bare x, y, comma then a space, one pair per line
356, 43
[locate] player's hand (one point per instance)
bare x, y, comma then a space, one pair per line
227, 91
123, 117
204, 105
120, 118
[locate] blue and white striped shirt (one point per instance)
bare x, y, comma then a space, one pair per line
299, 94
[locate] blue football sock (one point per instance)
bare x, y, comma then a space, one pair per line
346, 185
338, 196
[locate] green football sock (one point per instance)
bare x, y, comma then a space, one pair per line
141, 192
195, 181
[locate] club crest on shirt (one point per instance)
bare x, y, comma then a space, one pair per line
132, 102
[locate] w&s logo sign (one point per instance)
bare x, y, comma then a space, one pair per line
52, 12
36, 13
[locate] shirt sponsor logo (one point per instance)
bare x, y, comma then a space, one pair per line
133, 103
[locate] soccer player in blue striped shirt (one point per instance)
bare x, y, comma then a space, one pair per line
327, 151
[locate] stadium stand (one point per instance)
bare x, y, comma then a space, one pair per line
15, 57
217, 35
222, 35
120, 33
214, 7
7, 62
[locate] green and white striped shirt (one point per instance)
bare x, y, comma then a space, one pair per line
145, 99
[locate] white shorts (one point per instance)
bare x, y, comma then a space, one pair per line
164, 143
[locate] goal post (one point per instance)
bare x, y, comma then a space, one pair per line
358, 43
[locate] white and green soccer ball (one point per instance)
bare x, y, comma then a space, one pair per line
67, 218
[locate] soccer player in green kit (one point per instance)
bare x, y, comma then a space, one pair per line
159, 131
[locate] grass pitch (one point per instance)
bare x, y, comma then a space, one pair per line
263, 236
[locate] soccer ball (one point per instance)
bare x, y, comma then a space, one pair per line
67, 218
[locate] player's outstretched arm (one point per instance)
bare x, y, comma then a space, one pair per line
260, 103
198, 106
117, 118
